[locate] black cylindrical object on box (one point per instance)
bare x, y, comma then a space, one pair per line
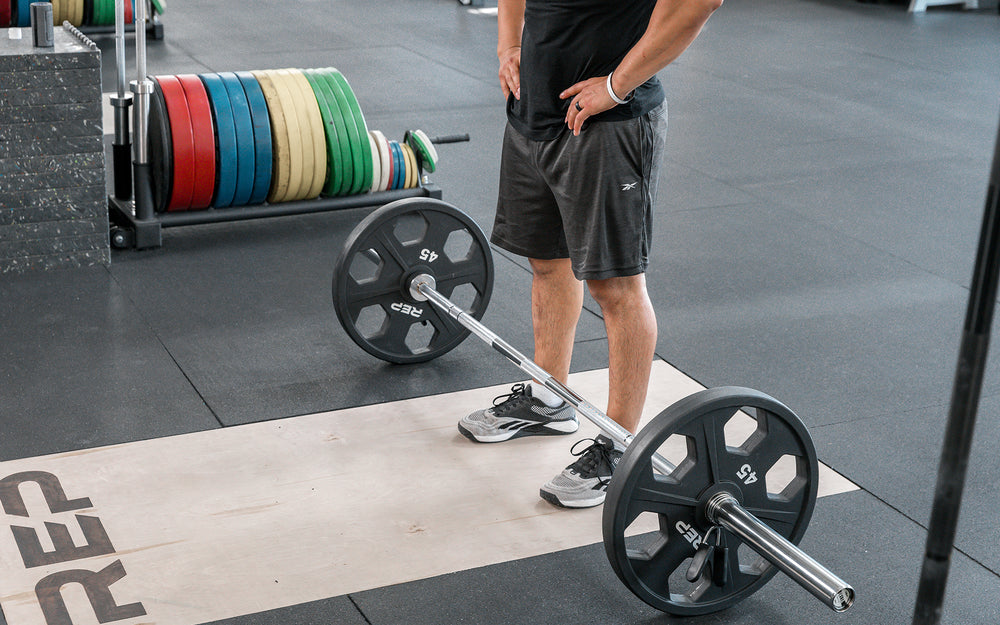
41, 25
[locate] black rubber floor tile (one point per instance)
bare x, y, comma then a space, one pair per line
902, 219
83, 369
761, 297
896, 458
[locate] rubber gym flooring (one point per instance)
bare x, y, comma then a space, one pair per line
819, 211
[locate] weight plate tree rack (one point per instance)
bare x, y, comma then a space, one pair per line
392, 285
195, 136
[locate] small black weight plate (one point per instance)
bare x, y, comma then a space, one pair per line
372, 275
729, 439
161, 153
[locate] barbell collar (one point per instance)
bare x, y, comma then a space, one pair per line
723, 509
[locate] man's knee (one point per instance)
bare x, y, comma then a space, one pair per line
558, 268
615, 292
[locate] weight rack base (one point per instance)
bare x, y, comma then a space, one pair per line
129, 232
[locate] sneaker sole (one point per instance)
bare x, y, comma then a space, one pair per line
557, 428
580, 503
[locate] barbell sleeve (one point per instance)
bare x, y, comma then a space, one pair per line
450, 138
726, 512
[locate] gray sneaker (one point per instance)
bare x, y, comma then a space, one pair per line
518, 414
584, 483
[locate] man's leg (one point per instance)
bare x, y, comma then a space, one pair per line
631, 327
556, 302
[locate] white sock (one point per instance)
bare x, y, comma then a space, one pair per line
546, 396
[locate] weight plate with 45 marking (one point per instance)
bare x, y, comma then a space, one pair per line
725, 441
384, 252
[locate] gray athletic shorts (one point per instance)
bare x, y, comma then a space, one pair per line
588, 198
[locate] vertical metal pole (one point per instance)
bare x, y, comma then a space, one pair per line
143, 89
120, 44
962, 415
122, 146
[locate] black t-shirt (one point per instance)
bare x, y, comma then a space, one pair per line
566, 41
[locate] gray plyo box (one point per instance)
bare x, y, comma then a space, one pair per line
53, 207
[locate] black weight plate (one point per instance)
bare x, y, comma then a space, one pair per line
709, 456
371, 279
161, 152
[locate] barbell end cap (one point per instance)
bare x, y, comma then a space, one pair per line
843, 599
421, 279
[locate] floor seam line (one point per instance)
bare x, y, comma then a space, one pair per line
358, 608
148, 325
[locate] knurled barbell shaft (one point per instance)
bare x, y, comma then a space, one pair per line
723, 510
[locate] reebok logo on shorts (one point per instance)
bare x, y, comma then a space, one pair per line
628, 186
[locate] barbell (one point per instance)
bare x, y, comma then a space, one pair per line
395, 287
